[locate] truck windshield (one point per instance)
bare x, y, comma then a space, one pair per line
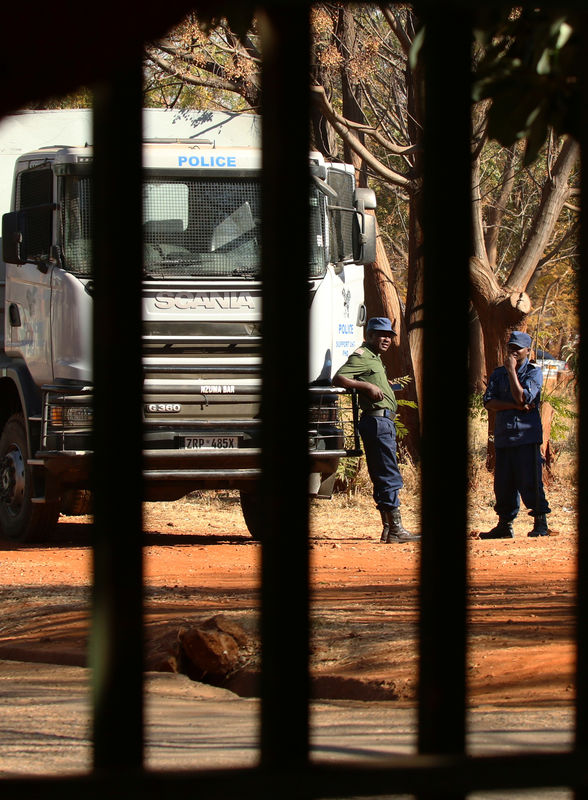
198, 226
192, 227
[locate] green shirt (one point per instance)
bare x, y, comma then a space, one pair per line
365, 365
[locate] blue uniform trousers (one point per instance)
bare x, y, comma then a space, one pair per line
378, 435
518, 475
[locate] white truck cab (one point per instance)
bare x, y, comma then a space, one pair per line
202, 324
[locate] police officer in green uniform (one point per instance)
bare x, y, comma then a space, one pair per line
365, 372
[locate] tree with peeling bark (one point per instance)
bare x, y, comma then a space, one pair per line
504, 305
366, 92
364, 89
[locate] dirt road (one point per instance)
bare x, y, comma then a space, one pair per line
200, 561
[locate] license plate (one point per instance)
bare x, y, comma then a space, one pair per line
210, 442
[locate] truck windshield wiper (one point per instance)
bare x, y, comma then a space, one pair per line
245, 271
183, 260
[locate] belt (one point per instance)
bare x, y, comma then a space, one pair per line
379, 412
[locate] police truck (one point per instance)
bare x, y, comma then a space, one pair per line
202, 312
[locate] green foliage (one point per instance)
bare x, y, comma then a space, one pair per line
401, 429
476, 408
403, 381
347, 474
529, 69
81, 98
563, 415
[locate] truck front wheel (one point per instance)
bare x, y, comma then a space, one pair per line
251, 508
20, 519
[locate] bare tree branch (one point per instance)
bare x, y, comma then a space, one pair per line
496, 211
393, 21
555, 192
341, 125
210, 80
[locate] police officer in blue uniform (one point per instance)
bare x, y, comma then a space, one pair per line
365, 372
513, 392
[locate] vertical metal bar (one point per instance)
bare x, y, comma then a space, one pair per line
444, 440
355, 410
117, 638
581, 731
285, 121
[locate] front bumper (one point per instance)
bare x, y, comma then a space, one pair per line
332, 436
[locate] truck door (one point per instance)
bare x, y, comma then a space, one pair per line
348, 309
337, 310
28, 286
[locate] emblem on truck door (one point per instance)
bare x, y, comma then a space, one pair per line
346, 301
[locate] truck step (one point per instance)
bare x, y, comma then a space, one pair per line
194, 339
201, 474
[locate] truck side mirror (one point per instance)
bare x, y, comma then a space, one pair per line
13, 238
26, 235
363, 231
363, 234
364, 199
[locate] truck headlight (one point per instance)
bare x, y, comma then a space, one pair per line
70, 417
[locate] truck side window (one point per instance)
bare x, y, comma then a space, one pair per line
34, 196
76, 223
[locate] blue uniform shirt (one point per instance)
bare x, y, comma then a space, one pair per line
514, 427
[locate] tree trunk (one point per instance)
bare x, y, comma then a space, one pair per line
555, 192
547, 412
502, 309
414, 315
322, 136
477, 366
381, 295
499, 312
382, 300
350, 90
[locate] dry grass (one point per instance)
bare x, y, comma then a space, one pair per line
351, 512
357, 496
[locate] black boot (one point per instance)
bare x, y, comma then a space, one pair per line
540, 526
385, 527
397, 532
503, 530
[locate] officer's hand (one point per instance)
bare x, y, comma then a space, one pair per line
373, 392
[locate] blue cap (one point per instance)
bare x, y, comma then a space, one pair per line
520, 339
380, 324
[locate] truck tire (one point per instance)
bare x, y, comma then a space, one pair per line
21, 520
251, 508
